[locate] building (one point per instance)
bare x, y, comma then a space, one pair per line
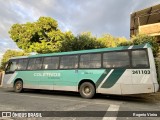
147, 21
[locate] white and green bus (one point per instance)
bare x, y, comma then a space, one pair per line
121, 70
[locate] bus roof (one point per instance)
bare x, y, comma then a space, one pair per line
88, 51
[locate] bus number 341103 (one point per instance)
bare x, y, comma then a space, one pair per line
140, 71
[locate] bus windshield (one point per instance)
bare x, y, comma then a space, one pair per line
12, 66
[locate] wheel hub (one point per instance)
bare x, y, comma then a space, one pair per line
18, 86
87, 90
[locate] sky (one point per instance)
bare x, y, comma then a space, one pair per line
97, 16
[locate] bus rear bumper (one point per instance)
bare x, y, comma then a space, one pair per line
156, 87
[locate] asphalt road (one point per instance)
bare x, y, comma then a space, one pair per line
32, 100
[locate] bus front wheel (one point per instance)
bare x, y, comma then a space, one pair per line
18, 86
87, 90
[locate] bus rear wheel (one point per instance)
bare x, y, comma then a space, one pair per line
87, 90
18, 86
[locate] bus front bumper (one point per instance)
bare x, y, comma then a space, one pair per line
4, 85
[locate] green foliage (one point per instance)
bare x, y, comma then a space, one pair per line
68, 43
157, 63
11, 53
42, 36
127, 43
111, 41
83, 41
142, 39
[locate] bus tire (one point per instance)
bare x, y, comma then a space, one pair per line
18, 86
87, 90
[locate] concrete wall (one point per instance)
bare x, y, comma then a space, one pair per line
150, 29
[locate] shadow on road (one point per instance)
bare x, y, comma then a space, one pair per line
142, 98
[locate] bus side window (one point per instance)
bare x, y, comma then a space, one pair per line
69, 62
139, 58
35, 64
31, 64
116, 59
90, 61
38, 64
50, 63
22, 64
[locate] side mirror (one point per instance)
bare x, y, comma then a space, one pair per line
5, 69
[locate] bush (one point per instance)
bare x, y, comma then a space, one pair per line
143, 39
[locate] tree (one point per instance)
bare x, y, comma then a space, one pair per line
42, 36
11, 53
68, 43
142, 39
83, 41
110, 41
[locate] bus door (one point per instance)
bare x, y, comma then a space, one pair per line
10, 73
68, 73
50, 73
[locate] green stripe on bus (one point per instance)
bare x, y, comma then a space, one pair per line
113, 78
104, 74
125, 47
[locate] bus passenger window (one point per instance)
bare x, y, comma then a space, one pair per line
90, 61
50, 63
139, 58
68, 62
22, 64
31, 64
38, 64
116, 60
